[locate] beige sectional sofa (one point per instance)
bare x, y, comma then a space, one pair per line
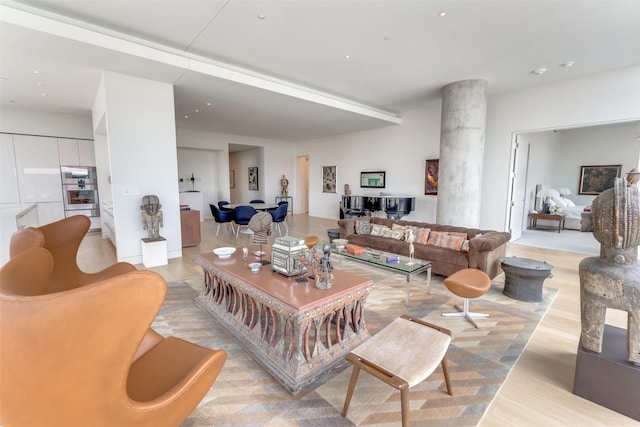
449, 248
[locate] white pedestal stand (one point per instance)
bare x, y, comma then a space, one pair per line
154, 252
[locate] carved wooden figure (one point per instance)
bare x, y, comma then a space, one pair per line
613, 279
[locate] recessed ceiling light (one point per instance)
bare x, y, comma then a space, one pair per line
196, 110
208, 104
262, 17
568, 64
186, 117
442, 14
43, 94
347, 57
539, 71
36, 72
40, 84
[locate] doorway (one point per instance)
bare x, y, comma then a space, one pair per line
518, 184
555, 156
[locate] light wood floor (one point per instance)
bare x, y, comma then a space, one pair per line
538, 390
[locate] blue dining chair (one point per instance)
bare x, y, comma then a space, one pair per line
221, 204
257, 201
279, 215
243, 215
222, 217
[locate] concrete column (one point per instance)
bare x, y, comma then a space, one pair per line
462, 131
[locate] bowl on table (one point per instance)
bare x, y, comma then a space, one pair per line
255, 266
340, 243
224, 252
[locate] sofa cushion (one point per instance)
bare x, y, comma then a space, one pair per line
422, 236
450, 242
400, 228
437, 254
363, 226
378, 230
434, 235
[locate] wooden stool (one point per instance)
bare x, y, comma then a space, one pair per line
402, 355
467, 283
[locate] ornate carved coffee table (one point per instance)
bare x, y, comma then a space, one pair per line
297, 332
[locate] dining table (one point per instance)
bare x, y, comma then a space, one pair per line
256, 206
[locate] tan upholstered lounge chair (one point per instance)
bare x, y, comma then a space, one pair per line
67, 356
62, 238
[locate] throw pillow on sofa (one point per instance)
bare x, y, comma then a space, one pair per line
422, 236
448, 241
402, 229
378, 229
392, 234
363, 226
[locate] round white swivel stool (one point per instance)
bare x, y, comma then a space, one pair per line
468, 283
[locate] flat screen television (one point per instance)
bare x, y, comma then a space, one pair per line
372, 179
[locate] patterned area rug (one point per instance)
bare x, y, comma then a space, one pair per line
479, 360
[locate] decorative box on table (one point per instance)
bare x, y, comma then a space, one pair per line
355, 249
285, 254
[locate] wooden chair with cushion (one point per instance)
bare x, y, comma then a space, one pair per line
62, 239
69, 358
403, 354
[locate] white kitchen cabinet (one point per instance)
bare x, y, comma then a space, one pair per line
9, 193
86, 153
74, 152
49, 212
108, 227
38, 169
13, 219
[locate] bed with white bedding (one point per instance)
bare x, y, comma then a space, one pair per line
572, 212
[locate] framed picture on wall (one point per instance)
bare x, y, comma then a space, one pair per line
232, 178
431, 177
596, 179
328, 179
253, 178
373, 179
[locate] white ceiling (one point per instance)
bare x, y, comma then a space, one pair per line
285, 76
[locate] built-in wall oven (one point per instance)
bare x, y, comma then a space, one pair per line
80, 192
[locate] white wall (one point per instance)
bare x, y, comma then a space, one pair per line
203, 164
399, 150
595, 145
141, 137
240, 162
543, 163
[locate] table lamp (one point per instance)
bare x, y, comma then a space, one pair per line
545, 194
